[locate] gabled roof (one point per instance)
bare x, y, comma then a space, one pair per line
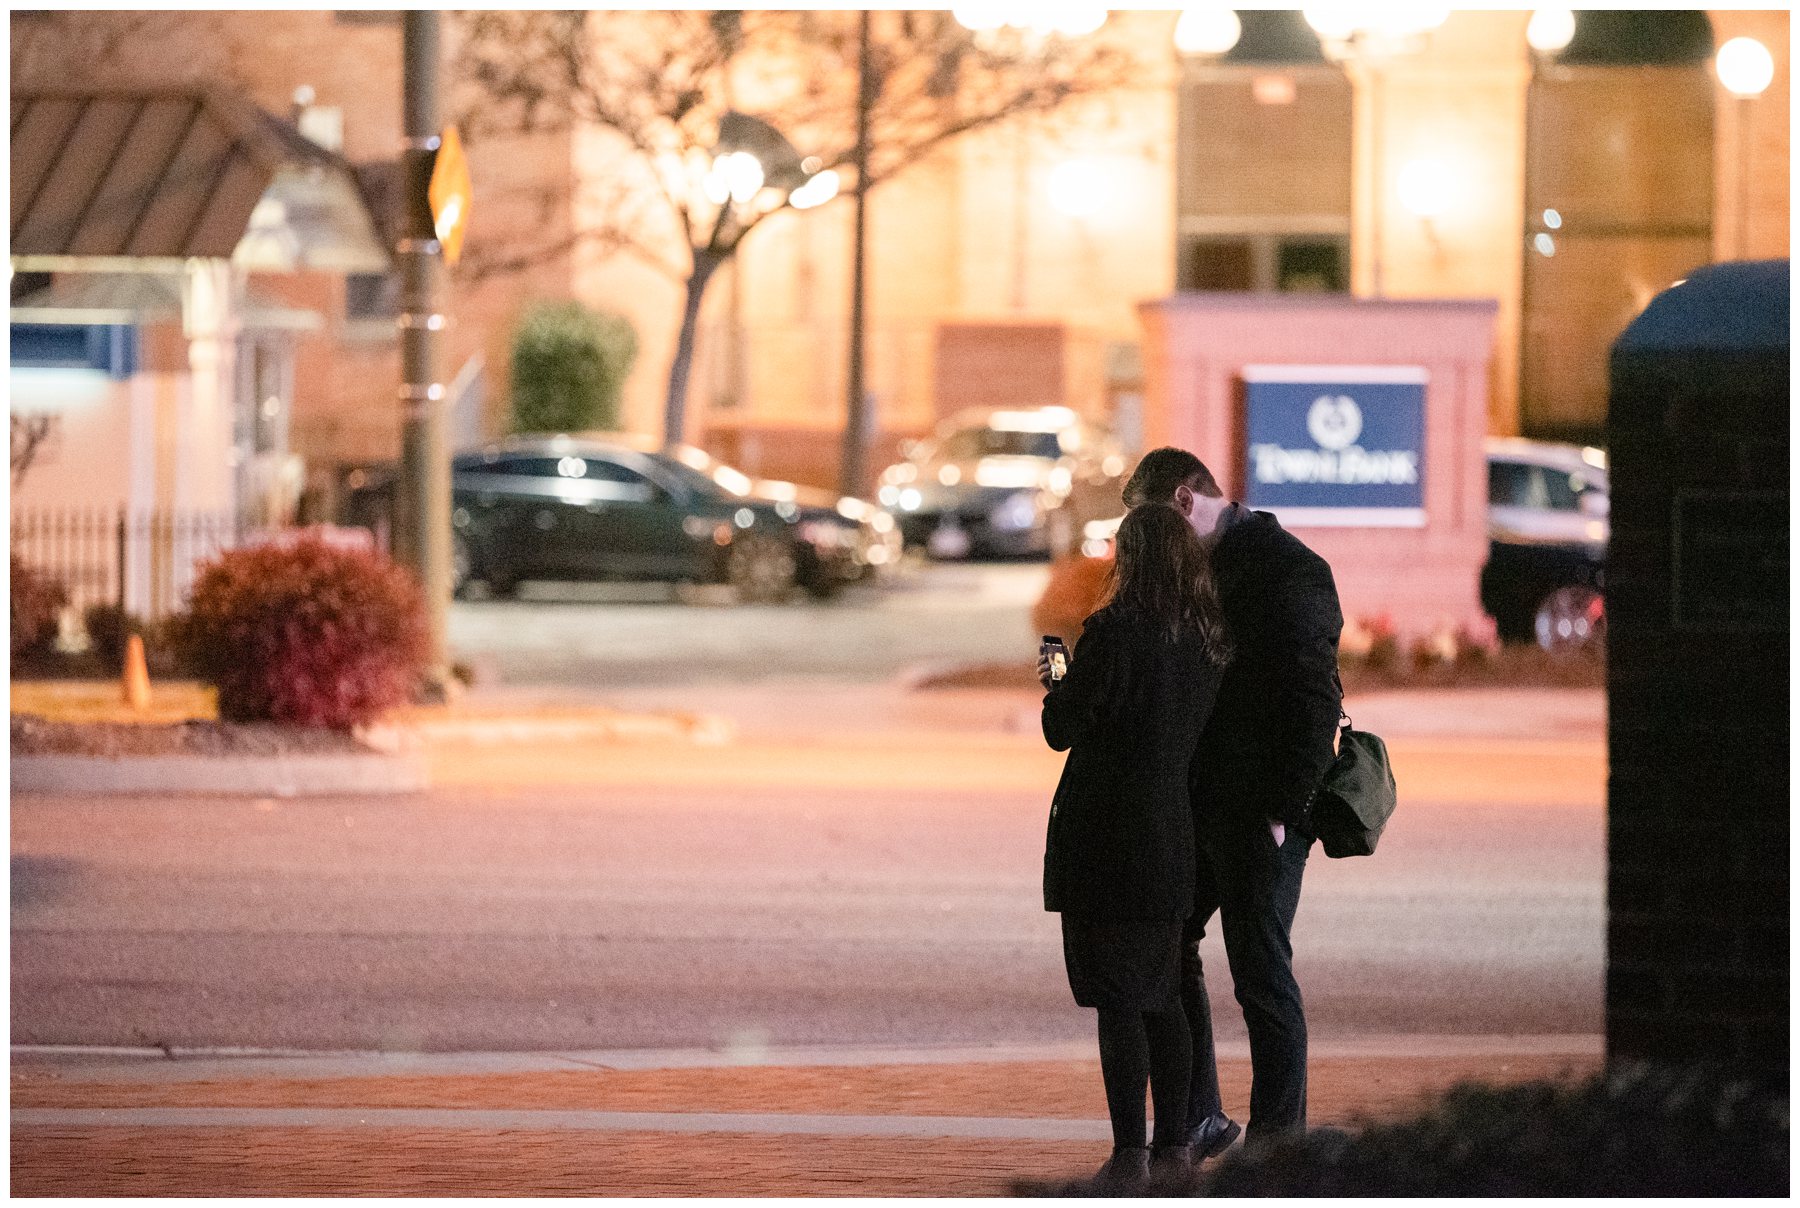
158, 174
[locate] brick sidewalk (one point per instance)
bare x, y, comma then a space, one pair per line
770, 1153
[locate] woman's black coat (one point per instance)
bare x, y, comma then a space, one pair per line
1129, 712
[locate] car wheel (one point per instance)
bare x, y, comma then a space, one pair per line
761, 568
502, 583
1571, 619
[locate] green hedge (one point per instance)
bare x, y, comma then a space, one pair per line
569, 366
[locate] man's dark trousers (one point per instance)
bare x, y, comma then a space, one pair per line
1254, 887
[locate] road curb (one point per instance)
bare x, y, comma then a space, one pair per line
83, 1063
702, 729
236, 775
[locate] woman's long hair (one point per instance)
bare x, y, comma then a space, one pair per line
1163, 570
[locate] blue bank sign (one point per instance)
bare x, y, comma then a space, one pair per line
1336, 444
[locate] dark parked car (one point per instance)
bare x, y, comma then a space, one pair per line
616, 507
1548, 526
1005, 482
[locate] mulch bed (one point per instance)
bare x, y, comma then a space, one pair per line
33, 735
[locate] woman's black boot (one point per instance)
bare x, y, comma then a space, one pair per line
1127, 1172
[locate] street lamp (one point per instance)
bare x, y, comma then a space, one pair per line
1366, 37
1746, 68
1550, 29
1210, 29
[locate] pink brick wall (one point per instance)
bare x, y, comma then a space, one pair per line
1195, 348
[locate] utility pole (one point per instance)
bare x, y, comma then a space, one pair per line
422, 498
858, 418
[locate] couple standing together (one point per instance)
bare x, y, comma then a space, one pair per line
1199, 709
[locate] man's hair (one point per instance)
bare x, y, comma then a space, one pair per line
1162, 470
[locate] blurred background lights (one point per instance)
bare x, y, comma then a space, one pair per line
1425, 188
1407, 20
1550, 29
1207, 30
1043, 20
816, 191
736, 176
1545, 245
1745, 67
1350, 22
980, 17
1553, 220
1337, 22
1079, 188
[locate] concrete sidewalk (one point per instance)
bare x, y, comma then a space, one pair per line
864, 1122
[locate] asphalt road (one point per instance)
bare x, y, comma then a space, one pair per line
879, 887
624, 636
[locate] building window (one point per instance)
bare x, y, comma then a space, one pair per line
110, 349
1263, 174
371, 296
1286, 264
1618, 202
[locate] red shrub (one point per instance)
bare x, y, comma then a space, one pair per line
37, 603
306, 633
1076, 588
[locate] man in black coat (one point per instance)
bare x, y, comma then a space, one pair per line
1265, 750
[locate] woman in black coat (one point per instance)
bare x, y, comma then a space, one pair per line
1119, 860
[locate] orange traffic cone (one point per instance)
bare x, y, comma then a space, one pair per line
137, 674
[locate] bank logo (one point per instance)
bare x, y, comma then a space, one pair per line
1335, 421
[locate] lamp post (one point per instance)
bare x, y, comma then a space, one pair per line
1364, 39
422, 501
1746, 69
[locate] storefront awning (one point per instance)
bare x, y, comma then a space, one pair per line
117, 178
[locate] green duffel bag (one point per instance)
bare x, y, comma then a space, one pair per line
1357, 797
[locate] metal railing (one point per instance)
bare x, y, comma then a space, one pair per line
143, 561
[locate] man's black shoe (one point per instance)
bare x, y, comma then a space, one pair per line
1212, 1136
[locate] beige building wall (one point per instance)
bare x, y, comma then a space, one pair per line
1767, 201
1456, 109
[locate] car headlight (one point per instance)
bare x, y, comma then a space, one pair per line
1017, 512
823, 534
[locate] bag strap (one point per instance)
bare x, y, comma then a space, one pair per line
1343, 717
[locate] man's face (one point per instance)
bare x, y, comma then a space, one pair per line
1201, 511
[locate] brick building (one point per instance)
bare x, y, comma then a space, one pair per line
1266, 168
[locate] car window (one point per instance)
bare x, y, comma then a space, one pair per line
1562, 490
607, 471
1509, 485
971, 443
1514, 484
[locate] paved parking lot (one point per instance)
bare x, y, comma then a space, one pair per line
604, 636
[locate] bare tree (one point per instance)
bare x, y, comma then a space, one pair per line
29, 433
662, 83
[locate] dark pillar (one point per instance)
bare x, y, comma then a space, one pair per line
1697, 680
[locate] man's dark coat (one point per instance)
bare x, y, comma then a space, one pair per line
1269, 741
1129, 712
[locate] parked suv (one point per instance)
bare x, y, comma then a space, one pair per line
1548, 525
1004, 482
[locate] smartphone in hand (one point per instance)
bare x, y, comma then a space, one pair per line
1058, 654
